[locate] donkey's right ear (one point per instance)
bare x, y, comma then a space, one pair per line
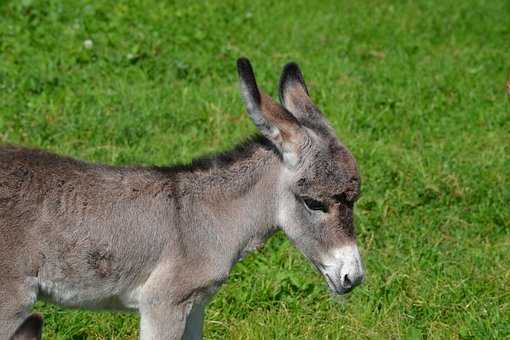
273, 120
30, 329
294, 96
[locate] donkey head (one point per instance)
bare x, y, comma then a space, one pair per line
318, 181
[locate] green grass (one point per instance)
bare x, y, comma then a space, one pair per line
415, 89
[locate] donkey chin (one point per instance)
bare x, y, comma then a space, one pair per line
343, 269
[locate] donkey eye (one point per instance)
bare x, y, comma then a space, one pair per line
314, 204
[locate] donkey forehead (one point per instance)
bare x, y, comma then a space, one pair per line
330, 169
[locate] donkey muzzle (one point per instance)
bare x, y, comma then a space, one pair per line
343, 270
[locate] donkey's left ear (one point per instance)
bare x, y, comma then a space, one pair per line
295, 98
275, 122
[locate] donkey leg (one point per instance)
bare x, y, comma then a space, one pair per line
17, 297
163, 321
195, 322
30, 329
162, 317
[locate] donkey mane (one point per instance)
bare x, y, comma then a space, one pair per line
219, 160
222, 160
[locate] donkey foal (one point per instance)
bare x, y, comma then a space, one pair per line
161, 241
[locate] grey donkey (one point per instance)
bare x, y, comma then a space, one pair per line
161, 240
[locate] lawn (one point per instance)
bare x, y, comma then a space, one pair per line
415, 89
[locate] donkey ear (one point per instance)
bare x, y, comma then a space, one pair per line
30, 329
294, 96
273, 120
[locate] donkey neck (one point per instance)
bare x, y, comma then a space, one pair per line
232, 197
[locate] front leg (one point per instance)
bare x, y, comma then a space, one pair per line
163, 313
195, 322
163, 321
171, 307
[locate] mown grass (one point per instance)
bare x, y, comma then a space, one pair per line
415, 89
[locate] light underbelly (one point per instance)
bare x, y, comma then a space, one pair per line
68, 295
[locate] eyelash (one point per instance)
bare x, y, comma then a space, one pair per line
312, 204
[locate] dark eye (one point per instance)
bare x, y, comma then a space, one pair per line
314, 204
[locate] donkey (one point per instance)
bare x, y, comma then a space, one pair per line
161, 240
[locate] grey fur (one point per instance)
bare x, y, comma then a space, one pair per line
160, 241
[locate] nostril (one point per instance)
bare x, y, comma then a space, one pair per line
347, 282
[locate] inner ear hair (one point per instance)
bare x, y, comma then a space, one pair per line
292, 85
282, 119
291, 74
273, 120
294, 96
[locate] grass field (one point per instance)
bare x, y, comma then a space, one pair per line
415, 89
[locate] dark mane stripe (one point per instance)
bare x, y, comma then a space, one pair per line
224, 159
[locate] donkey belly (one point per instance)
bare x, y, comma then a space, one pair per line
72, 281
79, 295
92, 267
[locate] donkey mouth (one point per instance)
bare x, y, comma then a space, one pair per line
334, 287
331, 283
